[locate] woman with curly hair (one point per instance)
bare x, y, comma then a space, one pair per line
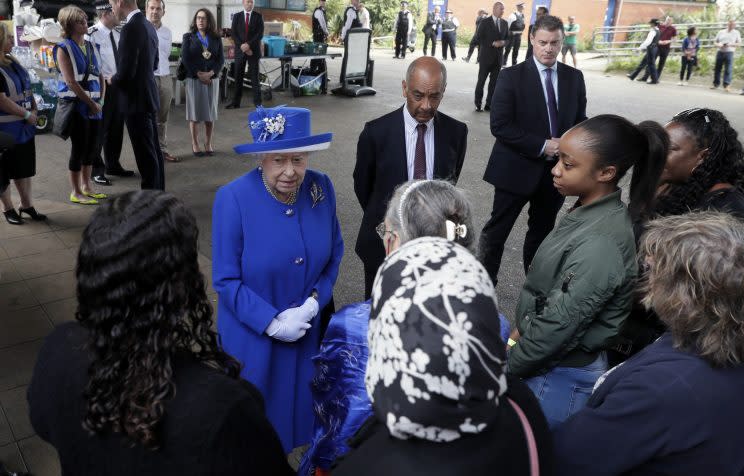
675, 408
139, 384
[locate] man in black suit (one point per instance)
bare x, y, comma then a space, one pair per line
413, 142
247, 31
535, 102
431, 28
492, 34
138, 93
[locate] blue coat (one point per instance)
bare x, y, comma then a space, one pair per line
268, 257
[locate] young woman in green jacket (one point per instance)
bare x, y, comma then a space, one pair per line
579, 287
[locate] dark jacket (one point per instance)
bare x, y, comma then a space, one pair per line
191, 54
519, 121
432, 23
578, 290
381, 165
665, 412
214, 425
255, 33
487, 33
135, 70
500, 450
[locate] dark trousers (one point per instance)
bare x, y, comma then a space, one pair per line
512, 45
662, 54
401, 43
545, 202
473, 45
449, 39
490, 71
433, 38
319, 66
724, 61
84, 137
529, 51
687, 65
240, 62
648, 63
370, 271
143, 133
111, 136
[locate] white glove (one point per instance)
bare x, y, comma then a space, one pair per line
304, 313
287, 330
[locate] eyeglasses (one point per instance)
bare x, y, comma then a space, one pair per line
381, 230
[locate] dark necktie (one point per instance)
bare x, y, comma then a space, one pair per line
552, 103
419, 161
498, 25
116, 50
247, 21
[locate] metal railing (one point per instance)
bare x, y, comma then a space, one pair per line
613, 40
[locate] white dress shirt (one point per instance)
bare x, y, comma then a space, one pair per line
554, 78
410, 21
165, 40
321, 19
412, 137
732, 38
649, 38
351, 14
101, 39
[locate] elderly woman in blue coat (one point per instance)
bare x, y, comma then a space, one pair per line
276, 250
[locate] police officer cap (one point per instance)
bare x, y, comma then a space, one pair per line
404, 3
102, 5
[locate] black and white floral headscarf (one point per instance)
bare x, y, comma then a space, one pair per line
436, 361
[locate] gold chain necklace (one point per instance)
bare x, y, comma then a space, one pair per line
292, 195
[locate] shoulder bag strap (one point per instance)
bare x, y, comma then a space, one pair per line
530, 436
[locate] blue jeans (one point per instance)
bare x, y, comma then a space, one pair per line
565, 390
723, 59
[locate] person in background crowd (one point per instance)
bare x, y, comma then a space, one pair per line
727, 40
320, 35
139, 384
579, 287
341, 405
539, 13
414, 142
651, 48
431, 29
76, 57
155, 12
364, 16
436, 377
351, 18
667, 34
135, 79
704, 171
492, 36
690, 48
247, 29
675, 408
403, 27
527, 125
449, 34
571, 40
516, 28
202, 54
482, 13
272, 284
105, 37
18, 119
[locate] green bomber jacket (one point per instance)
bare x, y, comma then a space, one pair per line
578, 290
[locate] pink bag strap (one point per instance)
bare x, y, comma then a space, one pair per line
531, 444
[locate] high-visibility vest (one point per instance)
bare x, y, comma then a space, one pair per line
18, 90
81, 64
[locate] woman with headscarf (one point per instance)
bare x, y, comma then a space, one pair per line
443, 403
276, 250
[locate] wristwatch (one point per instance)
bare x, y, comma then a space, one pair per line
314, 294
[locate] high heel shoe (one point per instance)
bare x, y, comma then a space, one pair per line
12, 217
31, 211
197, 153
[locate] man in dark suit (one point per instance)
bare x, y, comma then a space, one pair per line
247, 31
413, 142
535, 102
492, 34
431, 28
138, 93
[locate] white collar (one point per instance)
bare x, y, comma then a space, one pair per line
132, 13
101, 27
245, 12
411, 121
541, 67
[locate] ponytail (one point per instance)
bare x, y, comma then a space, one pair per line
647, 169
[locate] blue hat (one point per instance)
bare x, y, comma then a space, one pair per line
282, 129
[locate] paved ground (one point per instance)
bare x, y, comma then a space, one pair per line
37, 286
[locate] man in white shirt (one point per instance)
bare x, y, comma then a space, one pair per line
403, 27
726, 41
155, 12
516, 28
351, 18
105, 37
364, 17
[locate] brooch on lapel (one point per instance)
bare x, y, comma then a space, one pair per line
316, 192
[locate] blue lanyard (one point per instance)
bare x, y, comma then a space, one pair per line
203, 39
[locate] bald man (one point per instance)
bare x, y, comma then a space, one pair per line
415, 141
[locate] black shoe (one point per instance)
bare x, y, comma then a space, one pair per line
232, 106
12, 217
478, 108
121, 173
487, 108
31, 211
101, 180
630, 77
466, 59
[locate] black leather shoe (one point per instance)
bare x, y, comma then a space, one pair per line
232, 106
12, 217
121, 173
101, 180
31, 211
487, 108
478, 108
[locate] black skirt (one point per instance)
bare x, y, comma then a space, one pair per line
20, 161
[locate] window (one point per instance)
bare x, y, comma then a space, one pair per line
294, 5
